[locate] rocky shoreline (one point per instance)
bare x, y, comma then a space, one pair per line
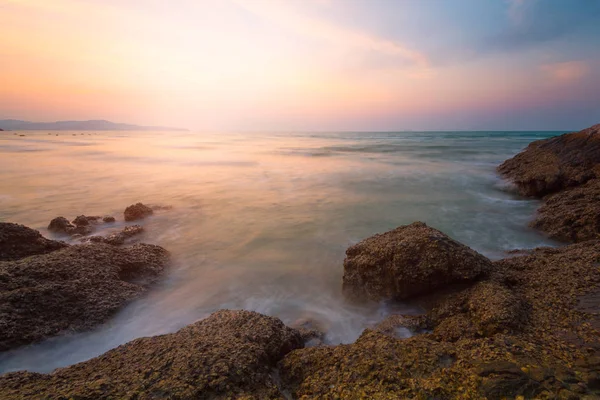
526, 326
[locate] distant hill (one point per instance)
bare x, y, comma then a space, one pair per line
94, 125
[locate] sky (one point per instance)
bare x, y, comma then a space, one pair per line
303, 65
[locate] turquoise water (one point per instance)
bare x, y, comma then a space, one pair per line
260, 221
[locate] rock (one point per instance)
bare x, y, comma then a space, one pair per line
410, 260
60, 225
84, 220
551, 165
118, 238
81, 220
137, 211
572, 215
312, 333
230, 354
18, 241
72, 289
108, 219
403, 326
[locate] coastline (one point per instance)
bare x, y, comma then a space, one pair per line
486, 352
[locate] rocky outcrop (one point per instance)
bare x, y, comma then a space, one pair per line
551, 165
572, 215
72, 289
137, 211
410, 260
18, 241
62, 225
520, 332
119, 238
230, 354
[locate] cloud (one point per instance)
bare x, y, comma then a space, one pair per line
291, 19
516, 11
566, 72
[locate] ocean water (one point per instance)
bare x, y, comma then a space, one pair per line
260, 221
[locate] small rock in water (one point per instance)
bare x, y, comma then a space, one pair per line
60, 225
108, 219
137, 211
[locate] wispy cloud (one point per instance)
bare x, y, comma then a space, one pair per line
566, 72
319, 28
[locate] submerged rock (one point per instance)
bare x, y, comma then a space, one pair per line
230, 354
72, 289
137, 211
63, 226
60, 225
410, 260
118, 238
572, 215
108, 219
551, 165
18, 241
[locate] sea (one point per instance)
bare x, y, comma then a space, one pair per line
259, 221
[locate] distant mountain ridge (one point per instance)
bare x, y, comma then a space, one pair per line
92, 125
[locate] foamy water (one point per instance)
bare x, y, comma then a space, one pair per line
259, 221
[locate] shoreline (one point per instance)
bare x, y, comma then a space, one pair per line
374, 358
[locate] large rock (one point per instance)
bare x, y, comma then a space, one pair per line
550, 165
572, 215
18, 241
410, 260
137, 211
72, 289
521, 332
230, 354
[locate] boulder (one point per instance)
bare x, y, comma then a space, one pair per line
230, 354
551, 165
572, 215
72, 289
18, 241
63, 226
60, 225
137, 211
119, 238
410, 260
84, 220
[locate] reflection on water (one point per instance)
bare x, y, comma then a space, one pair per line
259, 221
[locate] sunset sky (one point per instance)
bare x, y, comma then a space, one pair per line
304, 64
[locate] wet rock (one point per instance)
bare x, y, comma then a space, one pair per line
108, 219
119, 238
551, 165
572, 215
72, 289
312, 333
60, 225
493, 308
410, 260
84, 220
502, 379
137, 211
403, 326
230, 354
18, 241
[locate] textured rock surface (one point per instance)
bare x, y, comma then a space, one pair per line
230, 354
572, 215
551, 165
523, 332
137, 211
18, 241
72, 289
63, 226
118, 238
408, 261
